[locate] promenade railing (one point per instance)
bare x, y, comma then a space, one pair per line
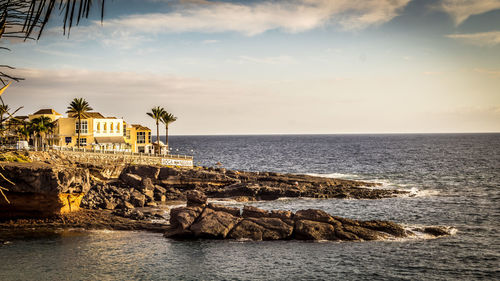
104, 151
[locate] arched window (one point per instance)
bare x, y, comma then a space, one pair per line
118, 127
105, 127
98, 127
111, 128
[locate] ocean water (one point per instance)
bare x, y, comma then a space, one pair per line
454, 180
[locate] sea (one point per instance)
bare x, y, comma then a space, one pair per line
453, 180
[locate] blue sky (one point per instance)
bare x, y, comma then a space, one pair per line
260, 67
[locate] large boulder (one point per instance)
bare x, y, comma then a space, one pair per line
131, 180
314, 230
184, 217
41, 190
316, 215
196, 198
137, 199
213, 224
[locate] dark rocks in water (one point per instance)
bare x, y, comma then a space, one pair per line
196, 198
214, 221
437, 230
213, 224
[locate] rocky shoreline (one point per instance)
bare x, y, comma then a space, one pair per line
46, 193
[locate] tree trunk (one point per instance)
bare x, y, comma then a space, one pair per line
79, 129
166, 138
157, 150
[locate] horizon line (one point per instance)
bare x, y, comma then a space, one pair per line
328, 134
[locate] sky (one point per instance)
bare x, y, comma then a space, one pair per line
274, 67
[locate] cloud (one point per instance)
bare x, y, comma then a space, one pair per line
255, 18
489, 72
265, 60
210, 41
197, 102
490, 38
461, 10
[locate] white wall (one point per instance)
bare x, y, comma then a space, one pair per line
117, 125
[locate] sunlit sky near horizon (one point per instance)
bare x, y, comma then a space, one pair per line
275, 67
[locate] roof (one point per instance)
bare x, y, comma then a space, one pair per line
140, 127
46, 111
95, 115
106, 140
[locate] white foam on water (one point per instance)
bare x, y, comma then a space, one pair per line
384, 184
335, 176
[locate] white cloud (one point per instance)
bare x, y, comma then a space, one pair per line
265, 60
490, 38
461, 10
489, 72
255, 18
210, 41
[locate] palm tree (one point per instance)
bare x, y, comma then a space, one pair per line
156, 113
41, 125
166, 119
78, 107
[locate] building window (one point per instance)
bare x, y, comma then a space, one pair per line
111, 127
98, 127
105, 128
118, 127
83, 141
149, 137
67, 139
125, 132
83, 125
141, 137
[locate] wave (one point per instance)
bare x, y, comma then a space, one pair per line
384, 184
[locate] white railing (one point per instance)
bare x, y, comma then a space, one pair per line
123, 152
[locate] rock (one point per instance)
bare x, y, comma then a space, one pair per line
41, 190
196, 198
247, 229
315, 215
231, 210
149, 195
159, 190
143, 171
385, 226
127, 205
437, 230
160, 197
151, 204
254, 212
184, 217
284, 215
275, 229
213, 224
165, 172
314, 230
146, 184
137, 199
131, 180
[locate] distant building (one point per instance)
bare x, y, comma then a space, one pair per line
97, 132
139, 138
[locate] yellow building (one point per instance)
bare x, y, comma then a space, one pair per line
97, 132
139, 138
47, 112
